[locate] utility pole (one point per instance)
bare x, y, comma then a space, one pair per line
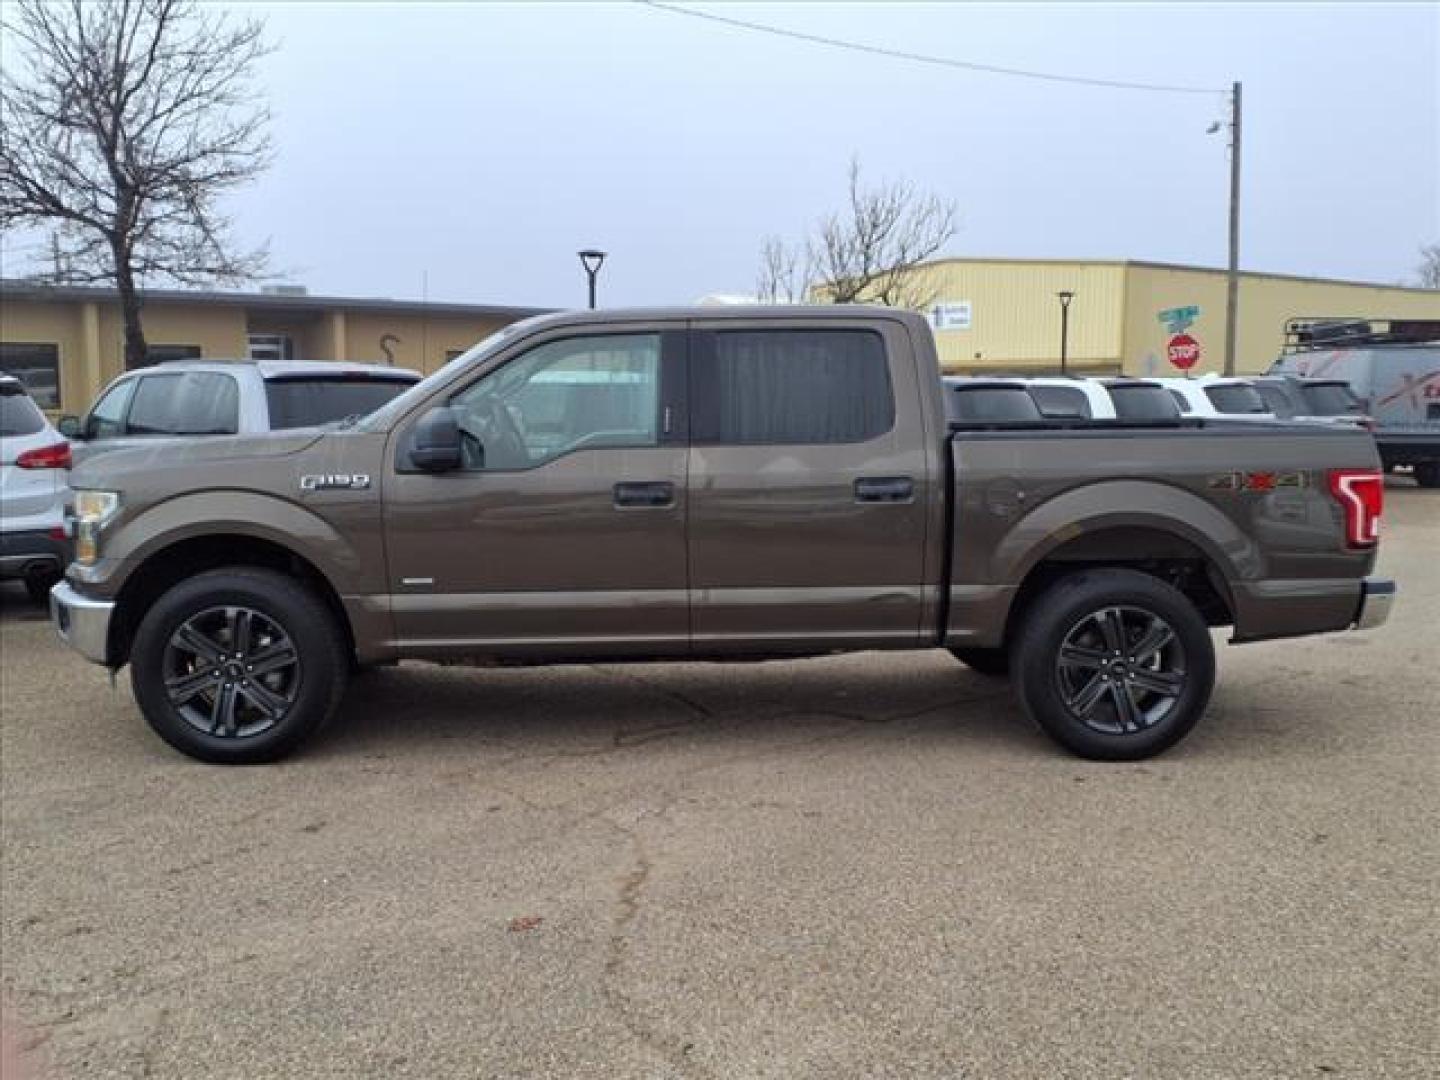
1232, 282
1065, 297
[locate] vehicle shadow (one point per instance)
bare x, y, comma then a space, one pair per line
574, 710
16, 605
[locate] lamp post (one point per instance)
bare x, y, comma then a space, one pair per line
1065, 296
591, 259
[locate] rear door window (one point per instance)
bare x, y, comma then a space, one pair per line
1331, 399
18, 414
1275, 399
191, 403
1143, 402
993, 403
296, 403
777, 387
1061, 401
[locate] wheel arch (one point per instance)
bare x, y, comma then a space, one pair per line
167, 564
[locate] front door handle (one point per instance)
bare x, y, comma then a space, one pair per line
654, 494
884, 489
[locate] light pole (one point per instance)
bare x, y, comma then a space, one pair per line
591, 259
1065, 296
1232, 271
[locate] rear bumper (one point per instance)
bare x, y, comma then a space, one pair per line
81, 622
30, 551
1376, 597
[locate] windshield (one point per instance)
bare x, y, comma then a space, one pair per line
1236, 398
1331, 399
382, 417
18, 414
296, 403
1143, 401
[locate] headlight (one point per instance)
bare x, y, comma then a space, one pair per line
92, 510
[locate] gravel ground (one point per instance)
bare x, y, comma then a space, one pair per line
860, 866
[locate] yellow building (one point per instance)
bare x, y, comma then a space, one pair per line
66, 342
1004, 314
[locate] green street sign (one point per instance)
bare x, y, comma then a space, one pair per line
1185, 315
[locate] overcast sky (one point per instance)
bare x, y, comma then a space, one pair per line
482, 144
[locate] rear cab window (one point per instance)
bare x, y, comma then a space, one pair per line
18, 414
312, 401
797, 387
1275, 399
1143, 401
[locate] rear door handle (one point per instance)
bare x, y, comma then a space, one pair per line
884, 489
655, 494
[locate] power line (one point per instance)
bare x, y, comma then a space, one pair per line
922, 58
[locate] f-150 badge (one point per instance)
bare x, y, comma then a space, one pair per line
331, 481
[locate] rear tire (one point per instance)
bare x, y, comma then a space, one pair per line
238, 666
1427, 474
1114, 665
992, 662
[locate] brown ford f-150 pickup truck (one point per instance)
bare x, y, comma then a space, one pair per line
706, 484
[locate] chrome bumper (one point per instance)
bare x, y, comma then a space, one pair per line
1376, 596
82, 623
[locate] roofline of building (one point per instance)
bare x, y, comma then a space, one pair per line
1186, 267
21, 289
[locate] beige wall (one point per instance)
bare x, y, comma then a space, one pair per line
1265, 305
222, 332
413, 342
1015, 314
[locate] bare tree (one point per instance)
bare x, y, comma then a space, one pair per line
1428, 272
867, 253
124, 124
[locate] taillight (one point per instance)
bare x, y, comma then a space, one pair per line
1361, 494
46, 457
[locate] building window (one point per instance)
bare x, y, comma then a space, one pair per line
37, 366
160, 354
271, 347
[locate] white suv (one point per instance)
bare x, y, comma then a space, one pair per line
34, 460
1218, 397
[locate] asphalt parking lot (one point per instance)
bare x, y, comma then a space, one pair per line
859, 866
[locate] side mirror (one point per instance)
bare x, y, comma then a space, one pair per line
435, 442
69, 426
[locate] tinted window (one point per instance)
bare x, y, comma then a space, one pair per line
560, 397
1142, 402
1061, 401
1275, 399
1236, 398
38, 369
18, 414
1181, 401
107, 418
791, 386
306, 402
160, 354
193, 403
1331, 399
993, 403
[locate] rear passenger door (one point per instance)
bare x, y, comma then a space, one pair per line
810, 480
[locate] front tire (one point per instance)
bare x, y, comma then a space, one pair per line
1114, 665
238, 666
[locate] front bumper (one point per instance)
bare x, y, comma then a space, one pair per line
30, 551
81, 622
1376, 597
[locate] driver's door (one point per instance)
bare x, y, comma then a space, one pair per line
564, 531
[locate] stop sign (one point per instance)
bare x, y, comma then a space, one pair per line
1184, 351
